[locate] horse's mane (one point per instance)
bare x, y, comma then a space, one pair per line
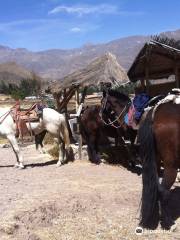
119, 95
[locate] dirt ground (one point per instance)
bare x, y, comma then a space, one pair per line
78, 201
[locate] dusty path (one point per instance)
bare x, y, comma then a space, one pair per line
78, 201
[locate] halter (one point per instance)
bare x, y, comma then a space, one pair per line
111, 123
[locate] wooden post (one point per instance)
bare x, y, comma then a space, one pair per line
143, 84
147, 80
57, 96
77, 99
177, 76
83, 95
78, 124
147, 64
79, 139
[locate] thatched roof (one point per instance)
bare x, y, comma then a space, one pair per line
104, 69
161, 60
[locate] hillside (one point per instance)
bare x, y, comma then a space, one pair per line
56, 63
10, 72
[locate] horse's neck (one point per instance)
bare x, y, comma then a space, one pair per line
4, 110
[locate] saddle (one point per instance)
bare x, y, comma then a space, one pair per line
23, 116
137, 110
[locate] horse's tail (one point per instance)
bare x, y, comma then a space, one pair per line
65, 134
149, 217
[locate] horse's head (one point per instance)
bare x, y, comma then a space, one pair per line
114, 105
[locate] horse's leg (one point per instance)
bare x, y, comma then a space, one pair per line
61, 152
16, 150
97, 152
169, 178
93, 149
38, 141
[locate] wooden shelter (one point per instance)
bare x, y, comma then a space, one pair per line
101, 72
156, 61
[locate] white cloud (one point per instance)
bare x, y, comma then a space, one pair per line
86, 9
76, 29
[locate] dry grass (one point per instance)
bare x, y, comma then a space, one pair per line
54, 151
3, 140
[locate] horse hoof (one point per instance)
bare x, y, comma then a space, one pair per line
58, 164
173, 228
16, 165
19, 166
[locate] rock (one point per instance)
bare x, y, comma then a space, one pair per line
5, 145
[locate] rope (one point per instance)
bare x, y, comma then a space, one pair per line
111, 123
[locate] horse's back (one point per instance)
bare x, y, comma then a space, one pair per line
167, 114
50, 114
52, 120
167, 133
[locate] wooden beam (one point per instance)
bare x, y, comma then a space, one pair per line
57, 97
153, 75
65, 101
161, 54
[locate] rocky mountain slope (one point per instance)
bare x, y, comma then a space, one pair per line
56, 63
11, 72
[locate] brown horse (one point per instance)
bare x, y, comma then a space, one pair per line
159, 137
95, 132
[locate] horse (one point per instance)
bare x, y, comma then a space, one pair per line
52, 122
114, 107
95, 132
159, 137
8, 129
159, 140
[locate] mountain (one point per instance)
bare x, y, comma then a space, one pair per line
56, 63
11, 72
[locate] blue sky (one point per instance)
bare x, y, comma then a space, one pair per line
46, 24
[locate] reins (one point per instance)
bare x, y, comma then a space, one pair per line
111, 123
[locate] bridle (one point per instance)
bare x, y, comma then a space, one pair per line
117, 119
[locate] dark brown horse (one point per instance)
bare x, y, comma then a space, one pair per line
114, 106
159, 138
95, 132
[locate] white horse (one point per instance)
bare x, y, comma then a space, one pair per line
51, 121
8, 129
